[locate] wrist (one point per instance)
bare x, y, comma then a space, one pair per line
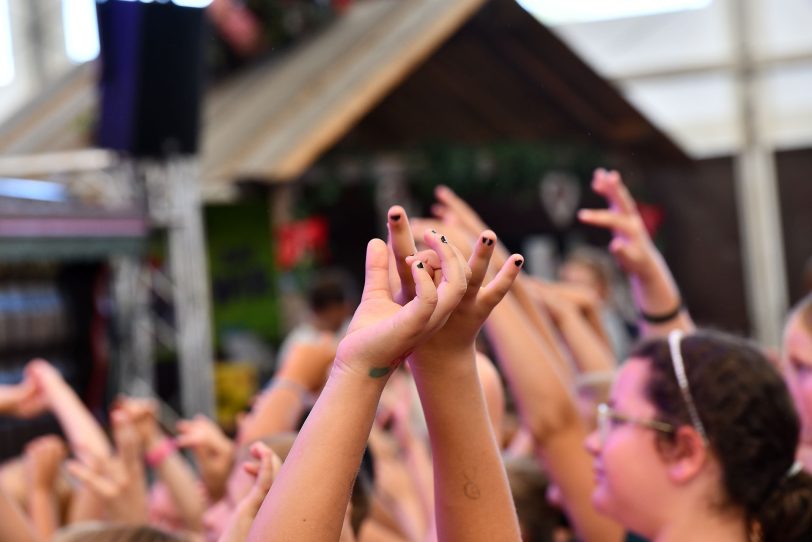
156, 454
662, 317
364, 380
446, 363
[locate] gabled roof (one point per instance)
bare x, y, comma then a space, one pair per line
385, 73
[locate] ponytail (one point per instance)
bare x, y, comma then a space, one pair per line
786, 515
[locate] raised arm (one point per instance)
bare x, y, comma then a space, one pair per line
263, 469
328, 450
655, 292
457, 214
548, 410
14, 526
84, 433
213, 452
166, 461
43, 457
472, 497
279, 407
590, 352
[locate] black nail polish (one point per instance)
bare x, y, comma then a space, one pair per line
443, 239
490, 242
395, 218
518, 263
420, 265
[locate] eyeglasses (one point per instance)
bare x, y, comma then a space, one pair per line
609, 418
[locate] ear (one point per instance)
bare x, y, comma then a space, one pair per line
687, 456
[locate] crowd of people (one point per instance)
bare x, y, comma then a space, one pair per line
411, 428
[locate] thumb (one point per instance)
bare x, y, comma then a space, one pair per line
623, 253
376, 280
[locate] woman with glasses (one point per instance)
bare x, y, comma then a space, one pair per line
697, 442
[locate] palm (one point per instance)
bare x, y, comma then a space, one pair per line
373, 318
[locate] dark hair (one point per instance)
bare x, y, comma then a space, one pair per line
528, 485
328, 289
751, 426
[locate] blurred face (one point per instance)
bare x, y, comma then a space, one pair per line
630, 474
582, 275
797, 369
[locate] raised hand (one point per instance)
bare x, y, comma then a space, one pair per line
263, 469
118, 481
329, 447
655, 293
463, 325
143, 414
472, 498
22, 400
631, 244
212, 449
383, 332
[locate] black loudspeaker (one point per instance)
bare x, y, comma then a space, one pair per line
151, 78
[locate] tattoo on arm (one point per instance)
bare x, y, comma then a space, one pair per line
470, 488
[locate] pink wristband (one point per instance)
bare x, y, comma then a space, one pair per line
158, 453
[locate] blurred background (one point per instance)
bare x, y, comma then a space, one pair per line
174, 174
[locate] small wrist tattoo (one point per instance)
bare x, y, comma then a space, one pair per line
379, 372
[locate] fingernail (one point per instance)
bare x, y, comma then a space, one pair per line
518, 263
420, 265
443, 239
394, 217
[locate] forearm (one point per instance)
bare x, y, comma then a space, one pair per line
277, 410
418, 461
543, 401
42, 511
182, 484
590, 352
542, 325
472, 496
14, 527
83, 432
309, 496
655, 293
569, 466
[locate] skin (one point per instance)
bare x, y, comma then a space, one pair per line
653, 288
329, 447
662, 493
797, 369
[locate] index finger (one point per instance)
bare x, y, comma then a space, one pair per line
610, 185
401, 242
